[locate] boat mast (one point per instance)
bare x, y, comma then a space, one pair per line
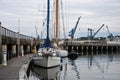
47, 41
48, 16
57, 7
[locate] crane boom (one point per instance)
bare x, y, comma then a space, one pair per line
72, 32
97, 31
107, 29
90, 36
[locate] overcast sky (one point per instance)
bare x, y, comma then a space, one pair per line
93, 14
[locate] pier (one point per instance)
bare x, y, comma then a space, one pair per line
11, 71
15, 44
85, 46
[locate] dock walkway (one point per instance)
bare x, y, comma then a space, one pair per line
11, 71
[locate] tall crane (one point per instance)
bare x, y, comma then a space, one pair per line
90, 37
72, 32
110, 36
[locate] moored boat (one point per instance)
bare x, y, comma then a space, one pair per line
62, 53
46, 58
73, 55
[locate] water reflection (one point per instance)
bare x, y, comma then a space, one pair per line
38, 73
74, 67
100, 60
104, 65
92, 66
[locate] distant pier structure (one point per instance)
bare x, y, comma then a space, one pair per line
15, 44
94, 45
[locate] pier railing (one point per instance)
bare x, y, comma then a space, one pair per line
14, 44
12, 34
9, 36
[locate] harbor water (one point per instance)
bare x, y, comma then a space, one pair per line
88, 66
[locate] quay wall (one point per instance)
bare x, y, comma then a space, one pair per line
79, 46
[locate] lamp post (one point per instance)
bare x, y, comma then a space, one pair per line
18, 37
0, 43
18, 43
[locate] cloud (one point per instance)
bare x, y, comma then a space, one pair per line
94, 13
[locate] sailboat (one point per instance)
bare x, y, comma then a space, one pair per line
47, 55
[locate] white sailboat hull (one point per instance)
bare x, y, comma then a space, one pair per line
47, 62
62, 53
47, 74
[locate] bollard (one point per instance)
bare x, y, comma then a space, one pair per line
4, 58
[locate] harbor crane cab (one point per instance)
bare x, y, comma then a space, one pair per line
72, 32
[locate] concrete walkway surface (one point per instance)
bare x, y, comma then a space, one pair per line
11, 71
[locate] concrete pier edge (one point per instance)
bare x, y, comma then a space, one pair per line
11, 71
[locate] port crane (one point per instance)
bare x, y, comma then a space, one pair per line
90, 33
110, 36
91, 36
72, 32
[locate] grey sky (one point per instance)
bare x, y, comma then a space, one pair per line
94, 13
